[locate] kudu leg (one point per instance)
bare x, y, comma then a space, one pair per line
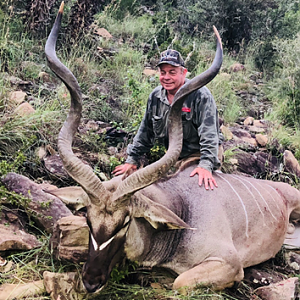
214, 272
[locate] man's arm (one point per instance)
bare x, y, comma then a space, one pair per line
142, 143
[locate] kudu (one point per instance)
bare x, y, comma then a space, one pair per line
206, 237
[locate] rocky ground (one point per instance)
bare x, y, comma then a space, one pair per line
249, 148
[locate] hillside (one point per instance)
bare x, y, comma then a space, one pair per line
112, 49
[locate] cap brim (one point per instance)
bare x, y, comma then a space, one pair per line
169, 63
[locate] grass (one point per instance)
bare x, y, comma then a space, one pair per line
288, 138
227, 165
132, 29
115, 91
284, 87
229, 107
116, 291
30, 265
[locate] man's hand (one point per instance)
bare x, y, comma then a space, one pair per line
206, 177
125, 169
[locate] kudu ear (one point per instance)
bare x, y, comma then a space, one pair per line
159, 216
73, 196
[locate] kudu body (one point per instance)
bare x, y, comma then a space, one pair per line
207, 237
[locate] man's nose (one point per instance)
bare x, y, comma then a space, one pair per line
167, 76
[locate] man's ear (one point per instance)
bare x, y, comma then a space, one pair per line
159, 216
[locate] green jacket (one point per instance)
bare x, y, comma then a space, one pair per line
200, 127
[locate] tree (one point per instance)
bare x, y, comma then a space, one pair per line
239, 21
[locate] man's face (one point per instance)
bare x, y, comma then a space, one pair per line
172, 78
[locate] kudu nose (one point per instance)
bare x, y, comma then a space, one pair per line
92, 287
92, 281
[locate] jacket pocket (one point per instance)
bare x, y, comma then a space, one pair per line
187, 126
159, 127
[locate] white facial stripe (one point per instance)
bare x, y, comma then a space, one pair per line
127, 219
100, 248
106, 243
95, 245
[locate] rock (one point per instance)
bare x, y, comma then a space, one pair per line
64, 286
92, 125
45, 77
248, 142
238, 132
7, 267
248, 121
48, 209
257, 277
18, 81
230, 165
233, 161
47, 186
16, 239
291, 164
257, 163
41, 153
150, 72
13, 235
283, 290
246, 162
102, 124
21, 290
266, 163
292, 242
70, 239
260, 123
292, 259
45, 151
243, 139
112, 151
102, 32
24, 109
237, 67
3, 262
226, 132
261, 139
54, 165
17, 97
256, 129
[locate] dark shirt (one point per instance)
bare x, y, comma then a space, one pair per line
200, 127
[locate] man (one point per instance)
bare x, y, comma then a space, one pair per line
199, 116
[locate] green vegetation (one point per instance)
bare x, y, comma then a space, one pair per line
29, 265
262, 35
285, 88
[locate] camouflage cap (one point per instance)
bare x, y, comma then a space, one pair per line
171, 57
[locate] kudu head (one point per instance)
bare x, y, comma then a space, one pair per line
112, 205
